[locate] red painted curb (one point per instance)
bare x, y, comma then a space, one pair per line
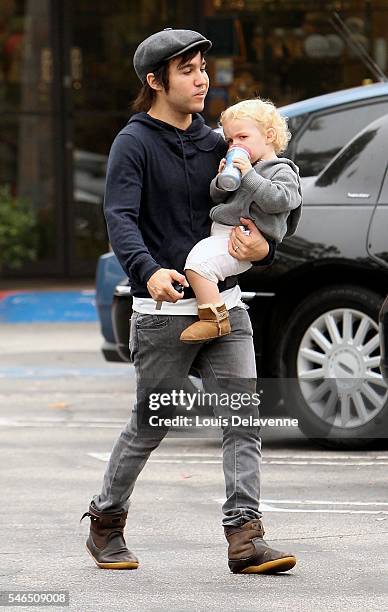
4, 294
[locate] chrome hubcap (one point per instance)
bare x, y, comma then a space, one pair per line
338, 368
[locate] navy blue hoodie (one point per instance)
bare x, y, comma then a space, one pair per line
157, 197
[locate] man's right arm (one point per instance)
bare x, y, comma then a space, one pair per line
123, 188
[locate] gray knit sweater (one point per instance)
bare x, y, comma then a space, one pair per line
269, 194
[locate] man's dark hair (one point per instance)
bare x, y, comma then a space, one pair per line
146, 96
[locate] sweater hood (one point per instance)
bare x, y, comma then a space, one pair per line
268, 163
197, 137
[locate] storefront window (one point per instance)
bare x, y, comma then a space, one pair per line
27, 141
290, 50
26, 62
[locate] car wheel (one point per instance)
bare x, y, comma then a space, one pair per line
330, 373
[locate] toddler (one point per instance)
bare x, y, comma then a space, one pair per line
269, 194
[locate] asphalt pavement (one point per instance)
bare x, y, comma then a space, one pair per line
61, 408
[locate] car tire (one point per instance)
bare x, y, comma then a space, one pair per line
329, 367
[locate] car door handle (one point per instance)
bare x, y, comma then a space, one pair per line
358, 195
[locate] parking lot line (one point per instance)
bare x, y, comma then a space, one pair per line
324, 502
285, 461
44, 372
265, 506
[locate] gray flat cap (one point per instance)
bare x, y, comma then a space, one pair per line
163, 46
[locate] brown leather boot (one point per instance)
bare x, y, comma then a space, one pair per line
248, 553
214, 322
106, 542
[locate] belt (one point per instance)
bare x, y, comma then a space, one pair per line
228, 283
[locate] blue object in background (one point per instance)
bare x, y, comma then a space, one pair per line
48, 307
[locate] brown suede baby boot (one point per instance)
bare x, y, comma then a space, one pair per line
214, 322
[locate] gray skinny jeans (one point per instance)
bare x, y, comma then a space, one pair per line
225, 364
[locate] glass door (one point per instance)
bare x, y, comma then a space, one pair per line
31, 201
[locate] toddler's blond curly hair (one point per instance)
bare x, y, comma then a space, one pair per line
266, 115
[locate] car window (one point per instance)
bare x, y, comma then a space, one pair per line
327, 133
355, 176
294, 123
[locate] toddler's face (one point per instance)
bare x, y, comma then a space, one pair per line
247, 132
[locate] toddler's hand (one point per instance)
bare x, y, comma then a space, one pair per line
222, 165
243, 164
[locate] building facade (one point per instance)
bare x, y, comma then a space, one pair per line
67, 81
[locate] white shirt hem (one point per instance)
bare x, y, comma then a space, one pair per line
231, 297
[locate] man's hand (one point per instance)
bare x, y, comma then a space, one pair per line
160, 287
248, 248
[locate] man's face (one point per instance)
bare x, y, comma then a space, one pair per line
189, 84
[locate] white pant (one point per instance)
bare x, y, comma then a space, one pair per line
210, 257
